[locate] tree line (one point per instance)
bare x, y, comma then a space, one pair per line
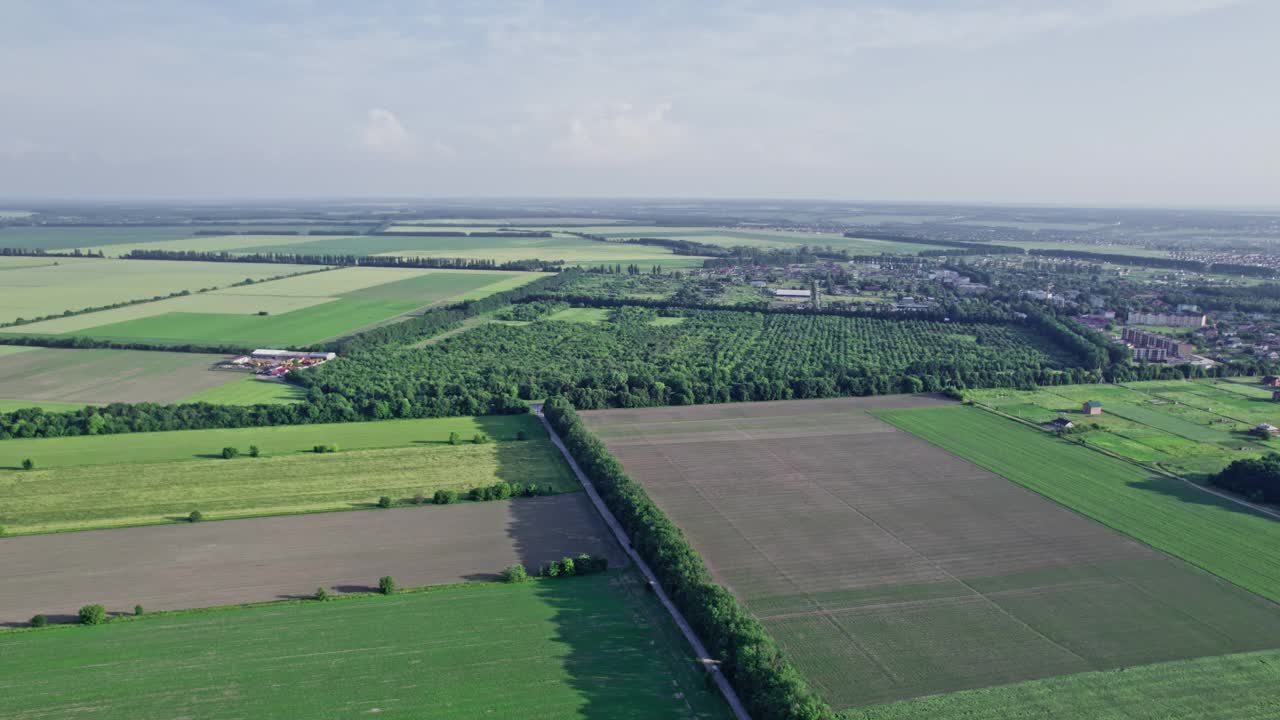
345, 260
1256, 479
765, 680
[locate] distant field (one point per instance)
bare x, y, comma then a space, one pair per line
302, 310
582, 315
76, 284
86, 377
250, 390
730, 237
279, 440
1207, 531
888, 568
593, 647
246, 244
1228, 687
98, 496
1191, 428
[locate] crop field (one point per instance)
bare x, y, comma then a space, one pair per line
593, 646
250, 391
301, 310
1207, 531
1227, 687
1192, 428
79, 283
92, 376
70, 238
731, 237
246, 244
889, 568
195, 565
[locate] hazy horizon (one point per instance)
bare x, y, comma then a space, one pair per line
1051, 103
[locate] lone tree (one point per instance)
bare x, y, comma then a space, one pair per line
454, 438
321, 594
93, 615
137, 610
514, 574
195, 516
39, 621
28, 464
253, 451
387, 585
229, 452
385, 501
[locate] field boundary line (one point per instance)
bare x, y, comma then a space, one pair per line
711, 665
1149, 468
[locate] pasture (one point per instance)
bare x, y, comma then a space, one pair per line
592, 646
1191, 428
1227, 687
301, 310
76, 377
72, 284
1207, 531
888, 568
194, 565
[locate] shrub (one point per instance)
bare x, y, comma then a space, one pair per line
522, 435
229, 452
137, 610
195, 516
385, 501
92, 615
514, 574
478, 494
418, 498
325, 448
321, 594
387, 585
253, 451
454, 438
39, 621
531, 490
28, 464
480, 439
445, 497
501, 491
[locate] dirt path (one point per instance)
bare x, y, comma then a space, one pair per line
710, 664
168, 567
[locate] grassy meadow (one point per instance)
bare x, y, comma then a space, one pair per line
1226, 687
98, 496
250, 391
594, 646
1207, 531
1191, 428
151, 447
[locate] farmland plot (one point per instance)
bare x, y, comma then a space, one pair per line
588, 647
88, 377
888, 568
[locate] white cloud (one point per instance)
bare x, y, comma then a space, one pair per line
620, 134
383, 133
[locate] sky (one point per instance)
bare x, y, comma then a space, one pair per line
1097, 102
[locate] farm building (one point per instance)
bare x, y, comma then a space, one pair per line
1061, 424
1271, 381
788, 294
1266, 430
1093, 407
292, 355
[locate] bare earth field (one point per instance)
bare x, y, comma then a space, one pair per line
105, 376
889, 569
170, 567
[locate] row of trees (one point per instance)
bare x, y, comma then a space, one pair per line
764, 679
343, 259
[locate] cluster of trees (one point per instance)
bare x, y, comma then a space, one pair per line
529, 311
1117, 259
37, 252
584, 564
969, 247
764, 679
343, 260
460, 233
1257, 479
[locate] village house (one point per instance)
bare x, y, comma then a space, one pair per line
1093, 407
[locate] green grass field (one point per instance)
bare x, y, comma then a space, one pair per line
79, 283
580, 315
1209, 532
45, 405
98, 496
302, 310
588, 647
1192, 428
248, 391
1227, 687
151, 447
